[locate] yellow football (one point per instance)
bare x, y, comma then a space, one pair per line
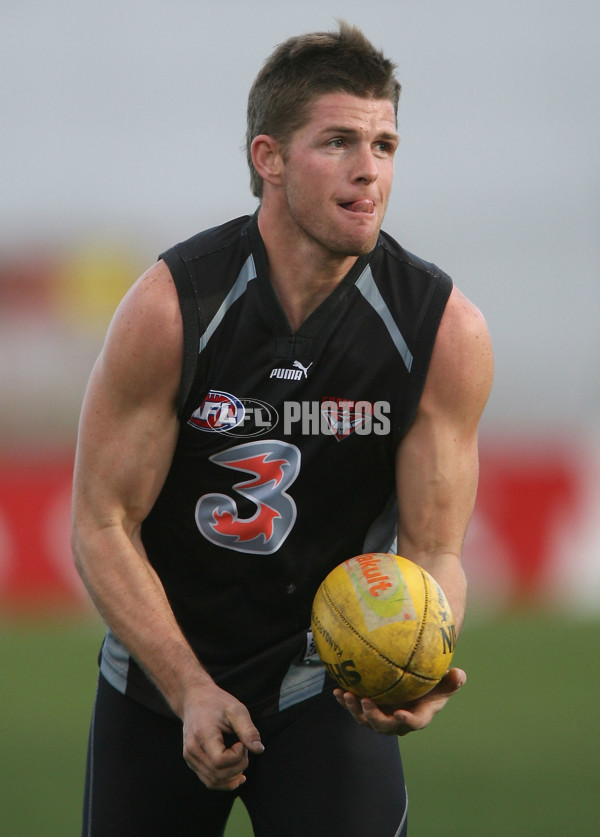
383, 628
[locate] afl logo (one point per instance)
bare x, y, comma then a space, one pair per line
218, 412
221, 412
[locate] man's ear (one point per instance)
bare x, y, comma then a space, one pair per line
267, 158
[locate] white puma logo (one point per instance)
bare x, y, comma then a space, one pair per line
294, 374
305, 369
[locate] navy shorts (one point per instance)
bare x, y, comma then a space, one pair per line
321, 775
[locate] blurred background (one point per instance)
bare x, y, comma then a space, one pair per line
122, 132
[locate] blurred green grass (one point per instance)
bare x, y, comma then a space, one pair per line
518, 752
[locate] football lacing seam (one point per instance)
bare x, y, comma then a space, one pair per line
361, 638
424, 616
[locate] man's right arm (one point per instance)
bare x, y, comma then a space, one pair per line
127, 436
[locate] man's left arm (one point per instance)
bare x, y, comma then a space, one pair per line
436, 478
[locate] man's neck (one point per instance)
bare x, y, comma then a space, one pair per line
302, 273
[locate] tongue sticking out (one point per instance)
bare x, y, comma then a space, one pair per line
360, 206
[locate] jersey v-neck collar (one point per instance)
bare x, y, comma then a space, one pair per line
277, 317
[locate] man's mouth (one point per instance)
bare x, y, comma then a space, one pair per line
364, 205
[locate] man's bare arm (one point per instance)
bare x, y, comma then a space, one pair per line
436, 477
437, 465
127, 437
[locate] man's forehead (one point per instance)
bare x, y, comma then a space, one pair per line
346, 109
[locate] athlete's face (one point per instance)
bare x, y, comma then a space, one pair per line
338, 171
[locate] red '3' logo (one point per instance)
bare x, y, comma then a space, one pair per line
274, 466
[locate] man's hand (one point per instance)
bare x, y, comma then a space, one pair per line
210, 716
411, 716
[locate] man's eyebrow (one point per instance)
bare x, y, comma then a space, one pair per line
346, 131
389, 135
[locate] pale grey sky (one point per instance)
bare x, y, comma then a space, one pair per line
126, 118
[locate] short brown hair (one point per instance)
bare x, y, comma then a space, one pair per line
307, 66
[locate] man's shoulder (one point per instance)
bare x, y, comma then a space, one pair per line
462, 366
208, 241
407, 260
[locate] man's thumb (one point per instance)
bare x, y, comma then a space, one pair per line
250, 737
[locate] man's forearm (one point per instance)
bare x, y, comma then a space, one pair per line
131, 599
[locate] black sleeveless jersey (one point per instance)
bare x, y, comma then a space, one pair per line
284, 466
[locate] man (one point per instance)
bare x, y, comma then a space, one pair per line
275, 395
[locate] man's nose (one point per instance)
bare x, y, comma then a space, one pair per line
366, 168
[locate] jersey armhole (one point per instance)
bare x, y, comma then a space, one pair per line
190, 315
424, 347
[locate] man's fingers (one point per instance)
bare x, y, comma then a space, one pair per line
408, 718
454, 680
217, 766
247, 733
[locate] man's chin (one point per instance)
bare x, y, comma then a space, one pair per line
362, 247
